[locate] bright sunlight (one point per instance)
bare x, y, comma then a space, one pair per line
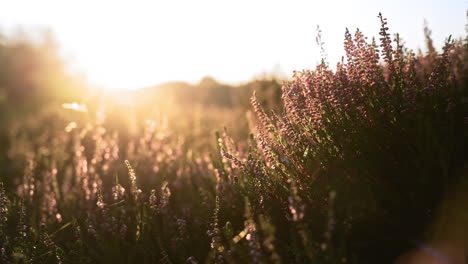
135, 44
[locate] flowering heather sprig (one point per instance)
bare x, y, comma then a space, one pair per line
21, 228
153, 201
386, 41
265, 122
234, 160
133, 186
256, 167
253, 238
411, 84
181, 236
77, 233
98, 160
349, 48
4, 212
288, 131
164, 197
221, 180
118, 191
228, 142
267, 151
320, 43
295, 204
100, 202
52, 248
398, 55
252, 235
215, 235
49, 201
83, 176
27, 189
439, 75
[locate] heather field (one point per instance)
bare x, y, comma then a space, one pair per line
362, 161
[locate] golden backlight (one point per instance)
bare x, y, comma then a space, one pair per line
134, 44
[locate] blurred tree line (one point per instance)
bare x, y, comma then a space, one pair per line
34, 79
33, 75
211, 93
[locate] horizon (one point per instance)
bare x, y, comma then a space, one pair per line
151, 43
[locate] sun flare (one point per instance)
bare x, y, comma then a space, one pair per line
130, 45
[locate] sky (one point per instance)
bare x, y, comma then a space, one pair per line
135, 44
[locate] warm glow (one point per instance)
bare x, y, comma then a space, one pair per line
75, 106
133, 44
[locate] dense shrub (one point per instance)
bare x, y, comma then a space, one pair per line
385, 132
